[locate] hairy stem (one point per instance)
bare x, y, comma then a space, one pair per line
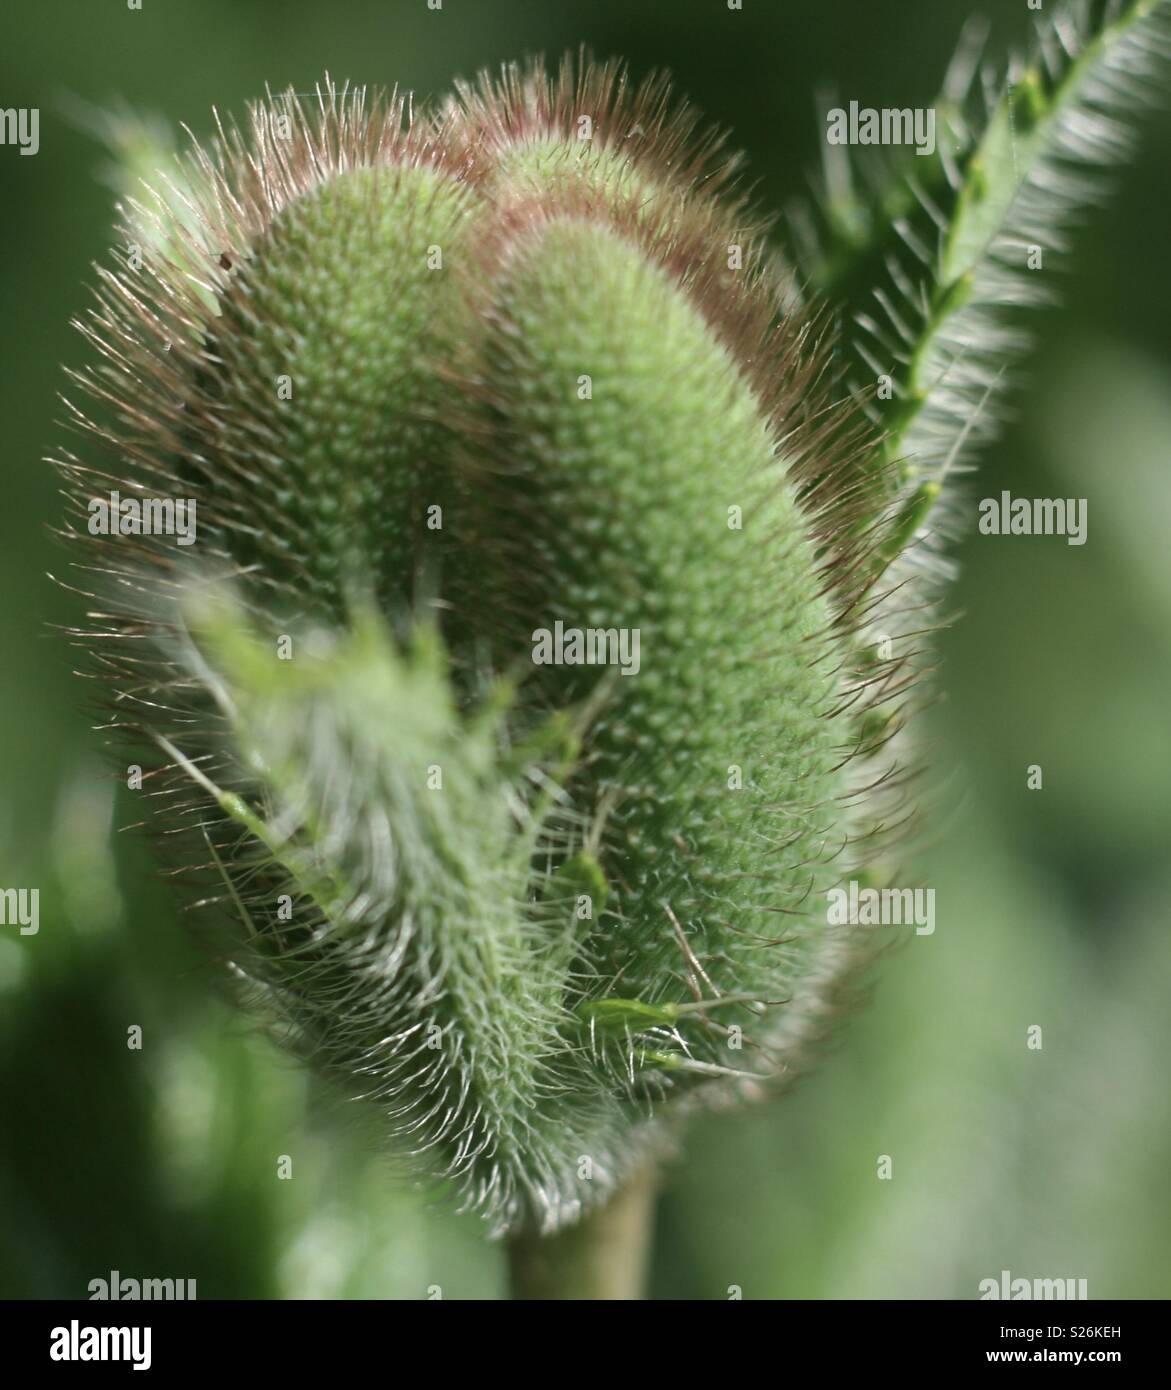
604, 1256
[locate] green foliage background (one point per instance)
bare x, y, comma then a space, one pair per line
1051, 905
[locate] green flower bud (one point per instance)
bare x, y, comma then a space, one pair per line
518, 610
443, 392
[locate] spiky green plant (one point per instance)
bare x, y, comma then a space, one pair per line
438, 383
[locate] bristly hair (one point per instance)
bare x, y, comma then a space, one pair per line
925, 260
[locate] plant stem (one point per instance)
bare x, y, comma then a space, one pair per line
604, 1256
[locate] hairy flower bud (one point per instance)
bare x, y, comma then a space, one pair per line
517, 706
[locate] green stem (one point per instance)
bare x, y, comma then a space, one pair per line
603, 1257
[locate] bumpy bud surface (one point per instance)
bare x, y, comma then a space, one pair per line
506, 708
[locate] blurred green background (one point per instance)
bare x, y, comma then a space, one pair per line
1051, 905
